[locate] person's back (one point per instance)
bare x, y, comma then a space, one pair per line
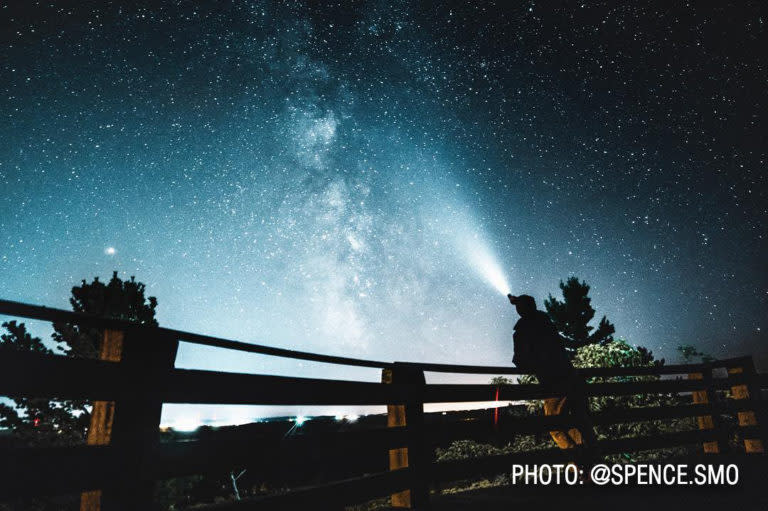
539, 348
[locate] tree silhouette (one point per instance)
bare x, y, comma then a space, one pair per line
689, 354
571, 316
39, 421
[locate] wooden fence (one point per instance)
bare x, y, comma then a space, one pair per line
124, 457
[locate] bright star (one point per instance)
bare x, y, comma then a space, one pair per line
110, 251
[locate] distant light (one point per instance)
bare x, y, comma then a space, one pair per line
351, 417
186, 424
300, 420
110, 251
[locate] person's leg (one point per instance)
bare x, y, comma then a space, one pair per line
575, 436
554, 406
579, 408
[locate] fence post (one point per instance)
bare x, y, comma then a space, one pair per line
103, 413
751, 391
416, 455
707, 422
149, 355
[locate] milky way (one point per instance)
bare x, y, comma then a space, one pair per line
311, 176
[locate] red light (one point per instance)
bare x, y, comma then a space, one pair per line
36, 422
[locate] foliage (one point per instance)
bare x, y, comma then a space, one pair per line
571, 316
118, 299
469, 449
501, 380
690, 354
619, 353
39, 421
466, 449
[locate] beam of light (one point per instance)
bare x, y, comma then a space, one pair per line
465, 233
481, 259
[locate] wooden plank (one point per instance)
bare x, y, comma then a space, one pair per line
734, 379
679, 369
750, 431
148, 356
651, 387
652, 412
415, 455
752, 444
194, 386
41, 471
480, 430
24, 310
705, 422
327, 496
61, 470
447, 393
398, 457
731, 362
73, 380
60, 377
100, 429
207, 340
464, 393
588, 372
59, 315
102, 413
227, 449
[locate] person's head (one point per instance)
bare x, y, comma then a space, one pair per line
524, 304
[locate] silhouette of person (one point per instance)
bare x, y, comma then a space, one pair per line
539, 349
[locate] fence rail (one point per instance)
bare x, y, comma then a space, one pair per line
123, 469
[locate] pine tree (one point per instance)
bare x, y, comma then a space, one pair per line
39, 421
571, 316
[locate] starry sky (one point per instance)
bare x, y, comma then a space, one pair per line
323, 177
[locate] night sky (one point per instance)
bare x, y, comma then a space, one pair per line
325, 178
